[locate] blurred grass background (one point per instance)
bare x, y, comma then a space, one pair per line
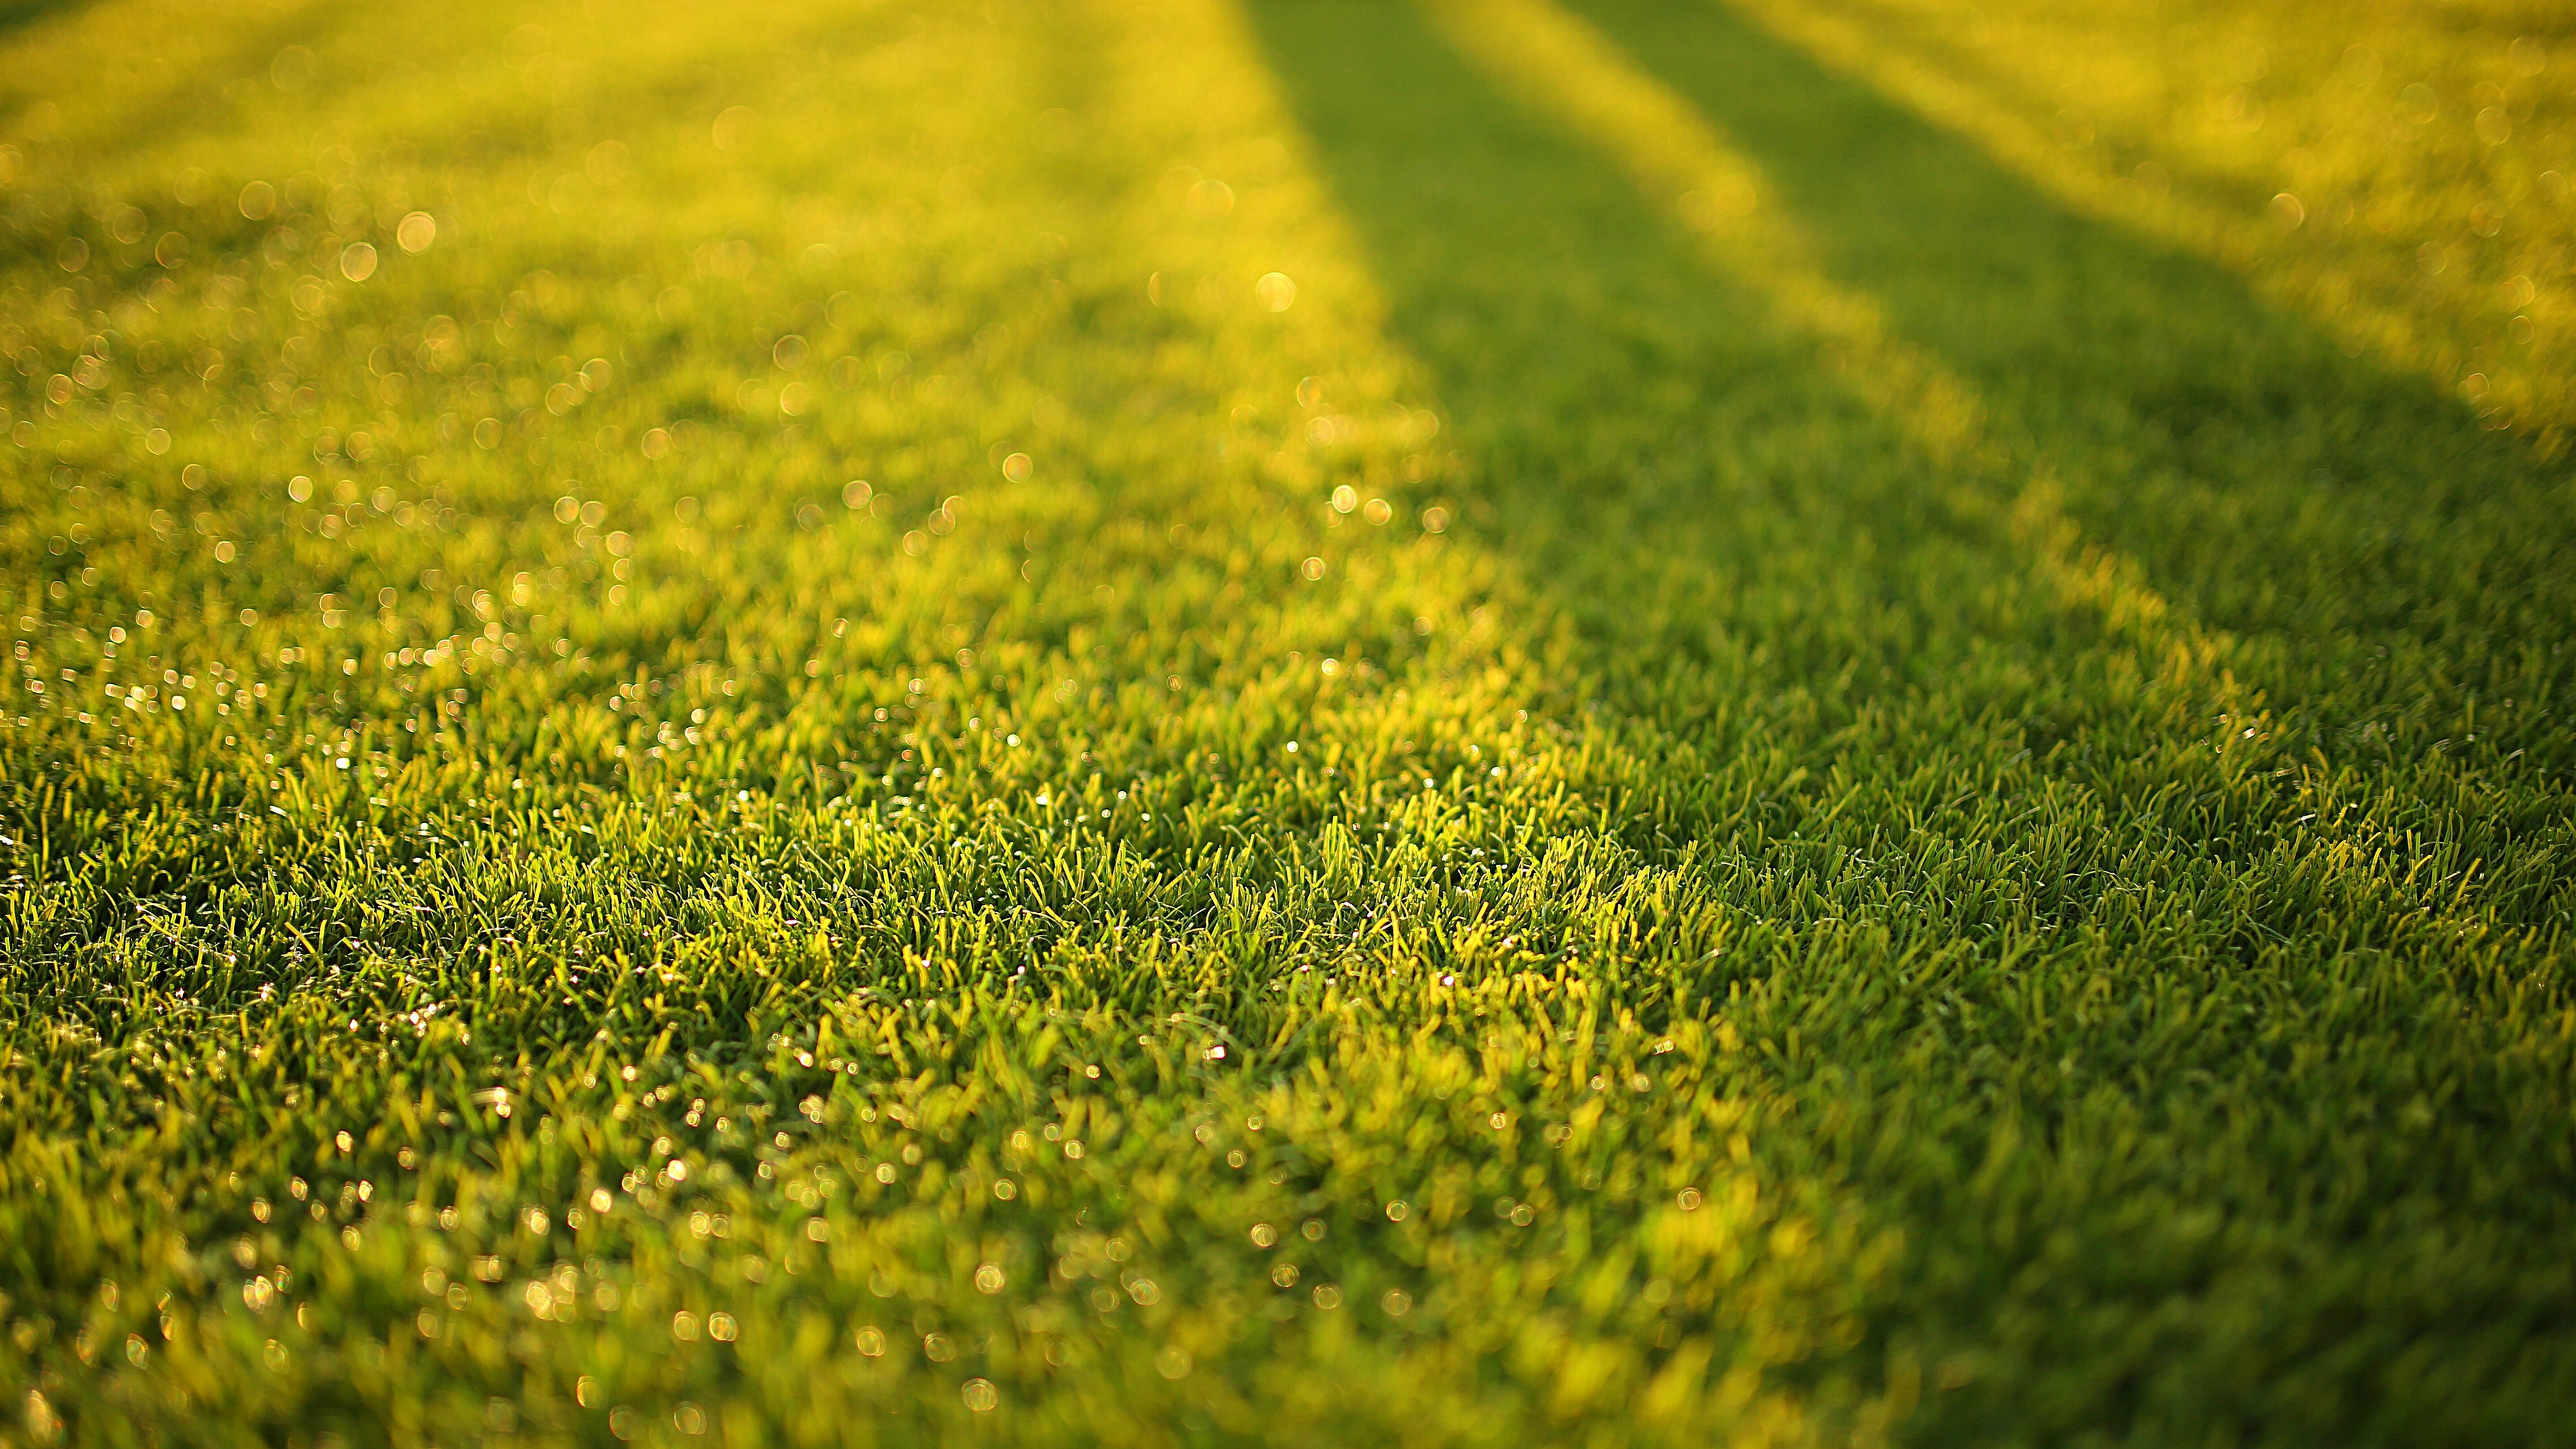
1272, 721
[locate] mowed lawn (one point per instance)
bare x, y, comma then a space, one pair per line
1287, 722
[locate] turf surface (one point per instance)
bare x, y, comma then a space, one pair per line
1286, 721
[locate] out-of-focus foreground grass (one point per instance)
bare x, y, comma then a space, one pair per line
1286, 721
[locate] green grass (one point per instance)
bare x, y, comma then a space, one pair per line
1807, 737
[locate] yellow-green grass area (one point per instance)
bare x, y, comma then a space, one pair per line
1354, 722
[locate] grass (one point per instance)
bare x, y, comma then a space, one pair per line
1286, 721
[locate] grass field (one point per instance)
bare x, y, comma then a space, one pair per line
1304, 722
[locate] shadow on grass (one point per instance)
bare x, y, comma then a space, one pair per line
2385, 560
1649, 441
2263, 479
1757, 559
